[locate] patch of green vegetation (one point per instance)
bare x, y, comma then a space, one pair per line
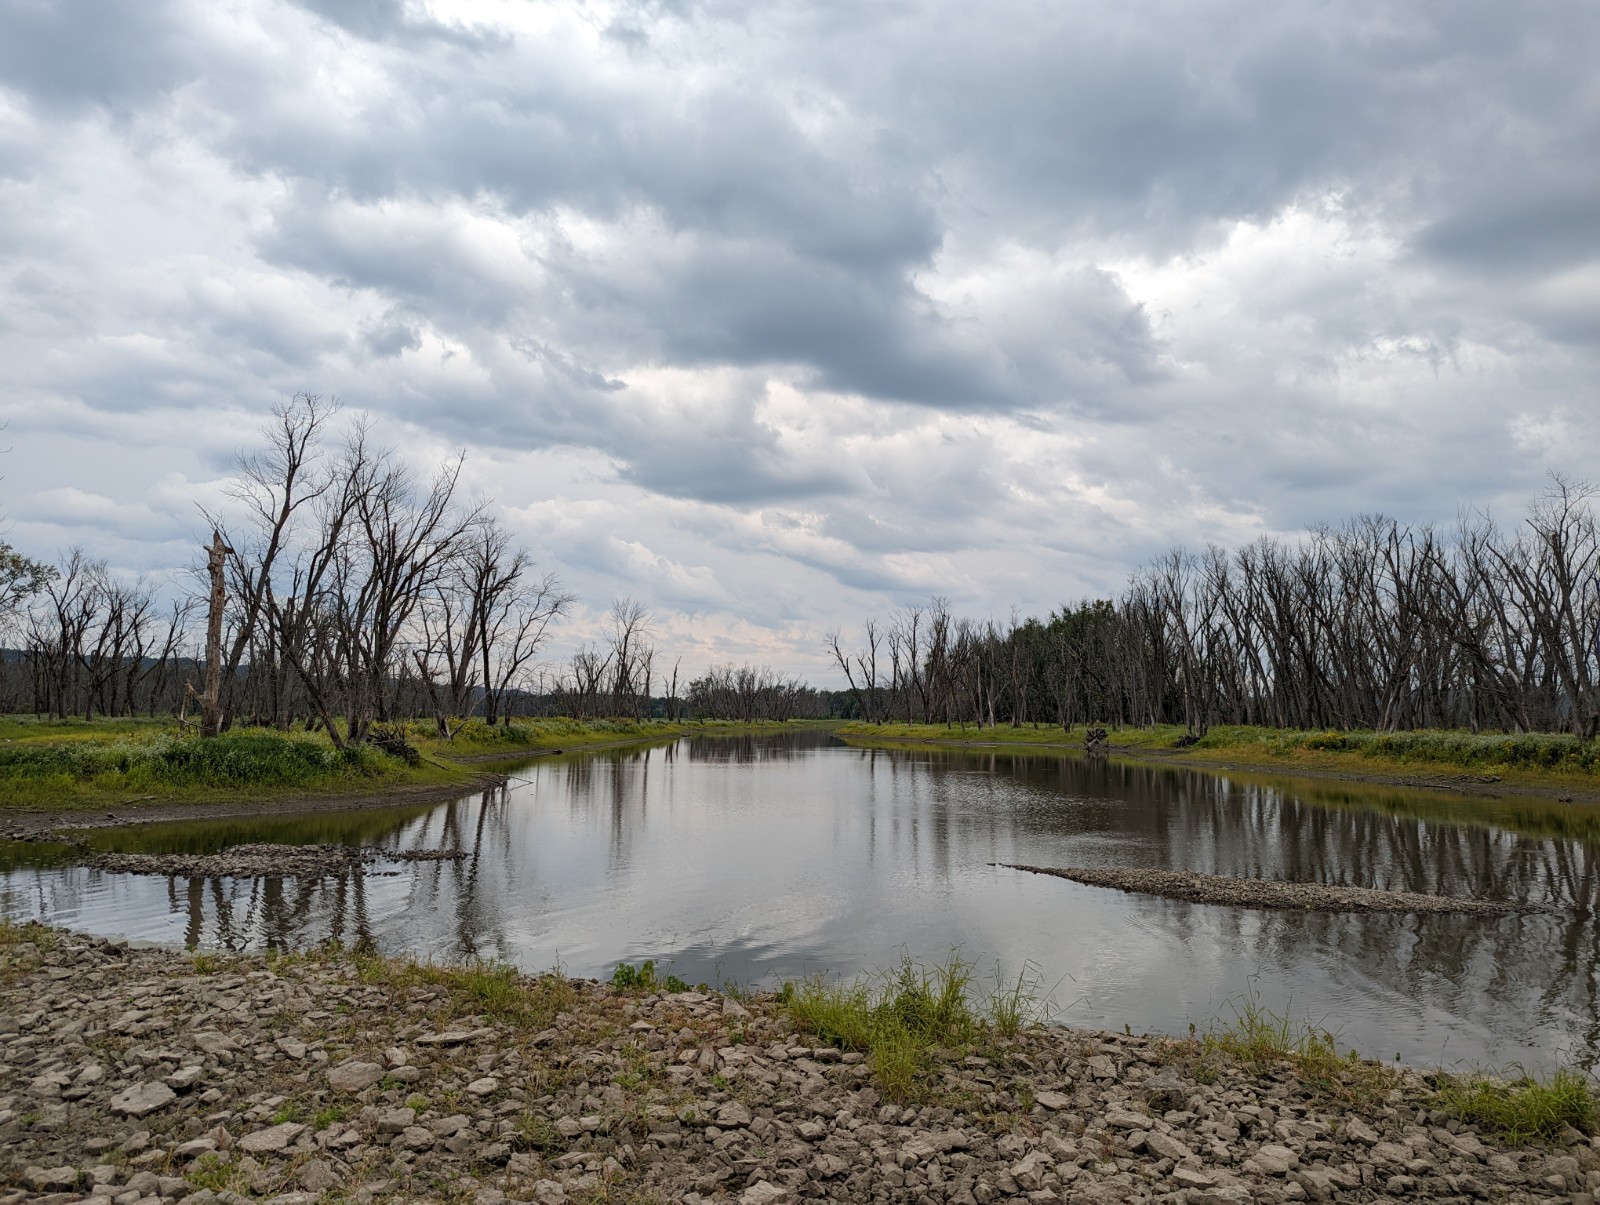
328, 1115
216, 1173
290, 1110
32, 933
1262, 1042
111, 762
908, 1019
1524, 1109
642, 978
491, 988
206, 964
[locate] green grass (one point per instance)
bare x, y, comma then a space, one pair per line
558, 732
1540, 755
1524, 1109
908, 1019
491, 988
643, 978
1263, 1042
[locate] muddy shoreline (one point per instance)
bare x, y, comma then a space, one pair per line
154, 1076
1228, 891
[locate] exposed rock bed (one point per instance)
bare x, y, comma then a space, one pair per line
260, 859
146, 1075
1265, 893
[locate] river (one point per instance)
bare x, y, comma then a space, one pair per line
758, 859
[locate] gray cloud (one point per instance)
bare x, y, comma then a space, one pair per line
752, 310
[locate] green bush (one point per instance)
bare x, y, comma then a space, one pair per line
234, 759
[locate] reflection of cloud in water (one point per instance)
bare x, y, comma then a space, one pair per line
761, 859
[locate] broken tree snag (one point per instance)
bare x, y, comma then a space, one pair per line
1266, 893
211, 697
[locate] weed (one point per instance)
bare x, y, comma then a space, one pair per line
1523, 1109
900, 1019
206, 964
288, 1111
1014, 1005
642, 978
538, 1133
214, 1172
328, 1116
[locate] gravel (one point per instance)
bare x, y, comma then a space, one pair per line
1266, 893
650, 1097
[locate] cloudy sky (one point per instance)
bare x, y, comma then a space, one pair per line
778, 315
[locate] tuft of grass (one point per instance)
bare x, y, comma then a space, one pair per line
643, 978
1524, 1109
1261, 1041
900, 1019
215, 1172
492, 988
1013, 1005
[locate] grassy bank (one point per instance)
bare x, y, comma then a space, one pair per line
77, 764
1535, 759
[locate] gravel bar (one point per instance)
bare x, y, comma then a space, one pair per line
1266, 893
261, 860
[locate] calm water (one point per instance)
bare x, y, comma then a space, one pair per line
769, 858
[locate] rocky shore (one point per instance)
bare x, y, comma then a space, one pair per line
135, 1075
263, 859
1266, 893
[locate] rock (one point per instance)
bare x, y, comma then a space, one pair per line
483, 1087
317, 1176
293, 1047
395, 1121
1101, 1067
733, 1009
1029, 1171
1121, 1119
416, 1138
142, 1099
354, 1076
184, 1078
1164, 1146
274, 1138
1275, 1160
549, 1192
51, 1179
194, 1148
734, 1114
1187, 1177
1360, 1131
1053, 1101
764, 1192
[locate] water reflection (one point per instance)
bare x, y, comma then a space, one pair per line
769, 857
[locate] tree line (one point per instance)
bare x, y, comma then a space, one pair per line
343, 591
1372, 624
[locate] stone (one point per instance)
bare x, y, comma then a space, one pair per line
394, 1121
483, 1087
354, 1076
1054, 1101
51, 1179
1101, 1067
415, 1138
1029, 1171
1164, 1146
732, 1115
764, 1192
1121, 1119
1188, 1177
274, 1138
733, 1009
142, 1099
1275, 1160
184, 1078
549, 1192
317, 1176
194, 1148
293, 1047
1359, 1131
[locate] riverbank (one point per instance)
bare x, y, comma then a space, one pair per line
1552, 767
105, 773
146, 1075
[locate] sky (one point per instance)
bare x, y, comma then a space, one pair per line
776, 316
